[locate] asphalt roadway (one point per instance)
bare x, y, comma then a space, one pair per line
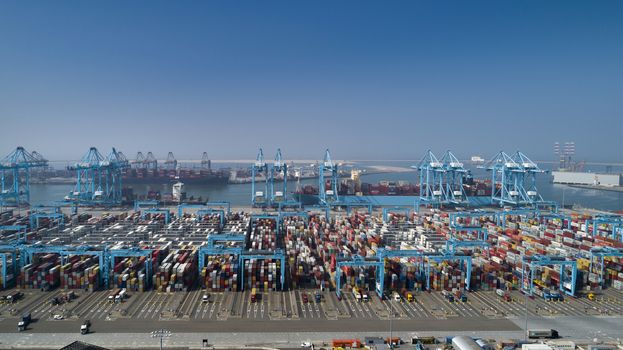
125, 334
246, 325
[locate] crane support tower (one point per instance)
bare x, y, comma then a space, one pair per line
171, 162
568, 272
452, 184
98, 178
279, 172
328, 180
15, 176
513, 179
431, 179
597, 260
260, 168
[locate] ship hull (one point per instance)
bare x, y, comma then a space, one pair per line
156, 180
306, 199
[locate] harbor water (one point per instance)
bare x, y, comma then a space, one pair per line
240, 194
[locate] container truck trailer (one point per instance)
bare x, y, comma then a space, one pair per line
542, 334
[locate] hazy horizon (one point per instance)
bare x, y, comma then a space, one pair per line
368, 80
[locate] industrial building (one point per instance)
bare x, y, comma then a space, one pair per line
584, 178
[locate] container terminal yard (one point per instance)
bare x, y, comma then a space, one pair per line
437, 261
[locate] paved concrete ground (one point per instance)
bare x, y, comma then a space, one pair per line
577, 328
290, 305
282, 319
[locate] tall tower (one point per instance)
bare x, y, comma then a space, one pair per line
565, 152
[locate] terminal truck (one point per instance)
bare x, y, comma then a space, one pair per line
503, 294
22, 325
14, 297
121, 296
448, 295
550, 295
85, 327
458, 295
113, 295
356, 294
542, 334
253, 295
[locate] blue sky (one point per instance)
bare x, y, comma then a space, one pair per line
369, 80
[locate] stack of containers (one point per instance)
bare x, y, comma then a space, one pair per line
263, 235
43, 273
81, 272
301, 244
9, 272
129, 273
184, 271
221, 273
261, 274
176, 271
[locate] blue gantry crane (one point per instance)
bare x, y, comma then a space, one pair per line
151, 207
384, 253
171, 162
15, 176
612, 223
597, 255
545, 218
319, 209
568, 272
285, 214
6, 251
453, 244
156, 211
259, 197
459, 222
278, 172
221, 213
354, 205
431, 178
513, 179
222, 244
98, 178
151, 163
359, 261
52, 213
502, 216
20, 230
206, 163
277, 254
452, 188
328, 175
394, 210
28, 251
149, 204
181, 208
226, 206
449, 256
130, 252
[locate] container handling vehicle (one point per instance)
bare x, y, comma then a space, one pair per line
22, 325
85, 328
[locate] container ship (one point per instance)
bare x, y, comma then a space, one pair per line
166, 176
308, 194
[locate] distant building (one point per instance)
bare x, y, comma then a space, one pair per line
582, 178
477, 160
